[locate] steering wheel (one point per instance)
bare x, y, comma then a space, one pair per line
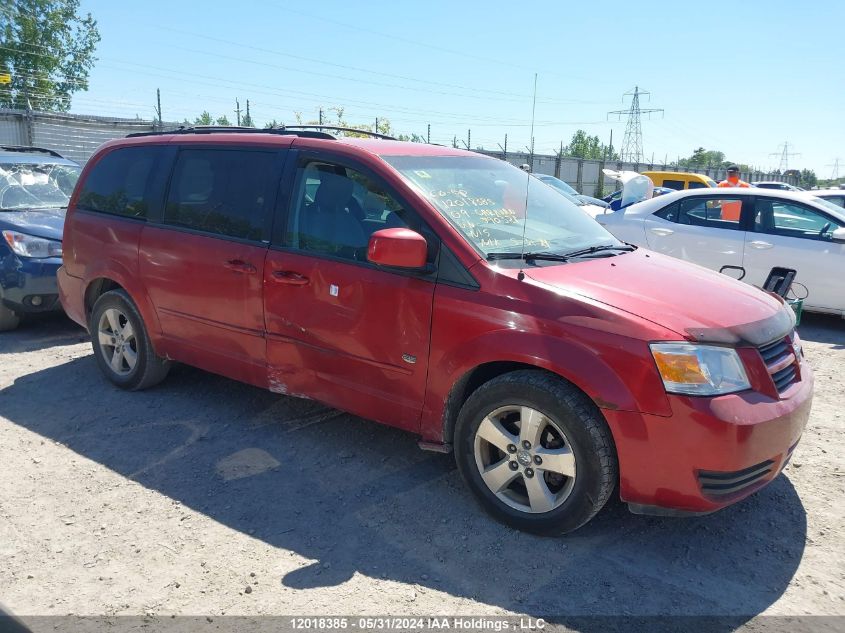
824, 229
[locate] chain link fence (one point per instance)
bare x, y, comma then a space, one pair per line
76, 137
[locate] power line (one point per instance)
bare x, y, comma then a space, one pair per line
632, 142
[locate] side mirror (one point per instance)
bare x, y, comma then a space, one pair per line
397, 248
838, 235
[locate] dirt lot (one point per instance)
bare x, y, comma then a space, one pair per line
206, 496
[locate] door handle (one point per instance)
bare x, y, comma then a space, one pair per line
289, 277
661, 232
759, 244
240, 266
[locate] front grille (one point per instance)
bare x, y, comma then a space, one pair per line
716, 483
781, 362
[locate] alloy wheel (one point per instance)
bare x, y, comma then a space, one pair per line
525, 459
117, 341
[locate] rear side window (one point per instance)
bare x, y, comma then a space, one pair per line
120, 182
717, 213
694, 184
678, 185
221, 191
669, 213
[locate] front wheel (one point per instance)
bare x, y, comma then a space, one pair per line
121, 344
536, 452
9, 319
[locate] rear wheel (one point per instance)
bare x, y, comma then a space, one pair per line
536, 452
9, 319
121, 345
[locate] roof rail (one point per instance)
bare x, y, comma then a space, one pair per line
230, 129
338, 128
30, 150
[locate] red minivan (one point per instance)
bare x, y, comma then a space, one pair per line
446, 293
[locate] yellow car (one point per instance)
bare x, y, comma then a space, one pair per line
679, 180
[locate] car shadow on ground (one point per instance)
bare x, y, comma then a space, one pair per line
358, 497
823, 328
41, 331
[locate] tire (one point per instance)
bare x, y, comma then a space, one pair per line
9, 319
569, 465
124, 355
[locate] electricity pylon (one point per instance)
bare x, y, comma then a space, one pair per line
784, 153
632, 142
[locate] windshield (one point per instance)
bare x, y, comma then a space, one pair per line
559, 184
563, 192
485, 200
36, 185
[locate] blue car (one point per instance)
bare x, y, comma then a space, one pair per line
35, 186
614, 200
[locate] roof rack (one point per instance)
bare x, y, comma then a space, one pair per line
28, 149
309, 131
229, 129
338, 128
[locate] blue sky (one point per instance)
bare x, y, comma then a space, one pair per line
742, 78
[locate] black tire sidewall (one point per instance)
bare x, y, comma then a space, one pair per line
120, 300
586, 493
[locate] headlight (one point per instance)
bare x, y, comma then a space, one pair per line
31, 246
699, 370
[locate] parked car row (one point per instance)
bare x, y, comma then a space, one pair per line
445, 293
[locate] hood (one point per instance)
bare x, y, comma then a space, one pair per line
698, 304
47, 223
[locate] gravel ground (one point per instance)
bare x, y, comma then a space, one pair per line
204, 496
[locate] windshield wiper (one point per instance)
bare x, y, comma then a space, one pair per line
600, 248
529, 256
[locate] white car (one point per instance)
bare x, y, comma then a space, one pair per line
745, 233
836, 196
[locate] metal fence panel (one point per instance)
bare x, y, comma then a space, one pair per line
12, 128
78, 136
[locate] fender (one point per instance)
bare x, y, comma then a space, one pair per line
587, 361
118, 273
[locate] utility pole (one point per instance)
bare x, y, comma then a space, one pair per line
428, 134
238, 111
376, 130
455, 142
784, 153
609, 152
469, 140
834, 175
321, 116
632, 142
158, 106
248, 117
504, 149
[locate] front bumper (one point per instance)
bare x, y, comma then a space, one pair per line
711, 452
29, 285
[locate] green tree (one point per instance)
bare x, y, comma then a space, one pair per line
583, 145
808, 179
47, 48
705, 158
335, 116
223, 120
204, 119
